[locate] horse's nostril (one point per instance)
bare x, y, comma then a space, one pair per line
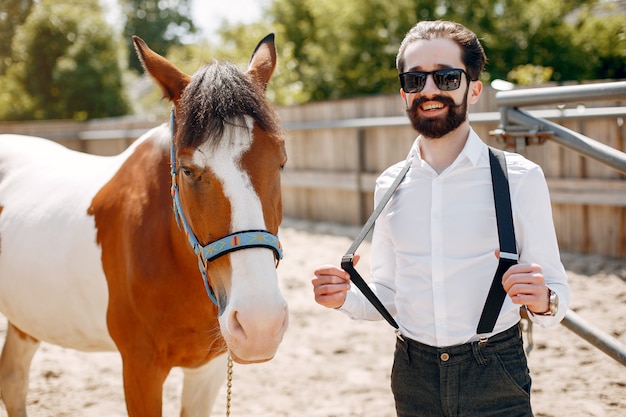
236, 326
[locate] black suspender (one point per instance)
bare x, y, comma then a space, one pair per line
506, 235
347, 259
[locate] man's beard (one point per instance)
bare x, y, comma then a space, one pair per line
436, 127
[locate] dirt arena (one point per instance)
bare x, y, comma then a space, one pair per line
330, 366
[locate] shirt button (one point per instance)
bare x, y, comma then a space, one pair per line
444, 357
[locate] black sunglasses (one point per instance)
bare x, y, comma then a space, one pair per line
446, 79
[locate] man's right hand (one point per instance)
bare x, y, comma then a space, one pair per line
331, 284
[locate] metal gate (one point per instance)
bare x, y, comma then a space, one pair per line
519, 129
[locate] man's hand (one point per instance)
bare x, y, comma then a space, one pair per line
331, 284
525, 284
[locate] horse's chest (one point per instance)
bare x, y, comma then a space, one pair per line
51, 280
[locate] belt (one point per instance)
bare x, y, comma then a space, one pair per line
460, 352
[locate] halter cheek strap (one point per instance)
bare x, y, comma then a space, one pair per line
235, 241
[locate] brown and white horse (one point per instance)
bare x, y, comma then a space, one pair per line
93, 257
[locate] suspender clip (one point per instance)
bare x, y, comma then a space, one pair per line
399, 335
511, 256
347, 258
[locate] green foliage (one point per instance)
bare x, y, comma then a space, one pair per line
327, 49
333, 49
530, 74
59, 59
65, 65
188, 58
13, 13
161, 23
600, 36
533, 33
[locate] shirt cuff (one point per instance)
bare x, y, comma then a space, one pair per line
351, 304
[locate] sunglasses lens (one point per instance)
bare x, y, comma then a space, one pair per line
413, 82
448, 79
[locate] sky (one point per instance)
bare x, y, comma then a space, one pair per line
208, 14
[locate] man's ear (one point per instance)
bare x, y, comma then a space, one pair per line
476, 88
404, 97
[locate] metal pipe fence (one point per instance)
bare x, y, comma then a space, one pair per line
516, 124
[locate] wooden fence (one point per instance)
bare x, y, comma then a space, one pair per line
333, 164
337, 148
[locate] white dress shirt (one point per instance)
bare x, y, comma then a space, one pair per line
433, 247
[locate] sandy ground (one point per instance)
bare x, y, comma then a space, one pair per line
330, 366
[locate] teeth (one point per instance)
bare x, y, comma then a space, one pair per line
433, 106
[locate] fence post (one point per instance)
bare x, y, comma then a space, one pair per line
360, 169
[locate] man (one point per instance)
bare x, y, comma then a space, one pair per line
435, 246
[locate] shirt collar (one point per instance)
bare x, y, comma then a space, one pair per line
474, 149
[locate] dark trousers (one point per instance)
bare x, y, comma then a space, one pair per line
474, 379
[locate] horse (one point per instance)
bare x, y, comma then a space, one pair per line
166, 252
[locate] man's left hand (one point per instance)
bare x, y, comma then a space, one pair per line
525, 284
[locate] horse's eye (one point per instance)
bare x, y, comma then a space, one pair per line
186, 172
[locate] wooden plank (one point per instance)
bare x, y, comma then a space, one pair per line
385, 146
603, 230
319, 180
621, 239
604, 131
563, 191
333, 162
346, 181
593, 192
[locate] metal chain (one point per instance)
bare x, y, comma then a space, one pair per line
229, 384
527, 327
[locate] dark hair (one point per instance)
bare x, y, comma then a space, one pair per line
218, 94
472, 53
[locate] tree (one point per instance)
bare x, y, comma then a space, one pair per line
600, 36
328, 49
161, 23
13, 13
333, 49
65, 65
367, 64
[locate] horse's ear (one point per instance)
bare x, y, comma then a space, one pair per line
263, 61
171, 80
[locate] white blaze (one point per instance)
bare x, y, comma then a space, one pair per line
255, 301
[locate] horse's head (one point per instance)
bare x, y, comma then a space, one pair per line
227, 153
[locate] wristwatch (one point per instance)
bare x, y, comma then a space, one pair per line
554, 305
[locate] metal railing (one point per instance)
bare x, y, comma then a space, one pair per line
519, 128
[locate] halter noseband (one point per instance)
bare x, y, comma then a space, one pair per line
233, 242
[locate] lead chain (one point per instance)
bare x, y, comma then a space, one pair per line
229, 384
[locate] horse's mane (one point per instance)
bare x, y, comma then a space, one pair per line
219, 93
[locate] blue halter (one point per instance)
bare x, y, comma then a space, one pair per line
236, 241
